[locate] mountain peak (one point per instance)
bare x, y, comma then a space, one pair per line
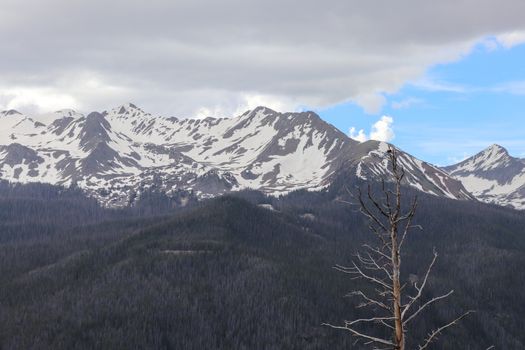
10, 112
489, 156
263, 108
495, 148
67, 111
127, 108
492, 157
493, 176
260, 109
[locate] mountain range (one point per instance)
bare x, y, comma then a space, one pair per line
116, 155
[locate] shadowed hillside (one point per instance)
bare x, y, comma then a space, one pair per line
230, 274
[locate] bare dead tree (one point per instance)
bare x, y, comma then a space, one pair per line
380, 265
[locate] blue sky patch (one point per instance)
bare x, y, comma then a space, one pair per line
456, 109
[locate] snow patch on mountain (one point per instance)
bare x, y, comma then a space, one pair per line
117, 154
493, 176
423, 176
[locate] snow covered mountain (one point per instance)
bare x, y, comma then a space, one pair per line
117, 154
371, 162
493, 176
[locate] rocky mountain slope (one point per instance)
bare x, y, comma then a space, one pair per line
493, 176
117, 154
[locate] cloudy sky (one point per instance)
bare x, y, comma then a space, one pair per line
440, 79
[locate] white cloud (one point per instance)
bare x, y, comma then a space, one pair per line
505, 40
430, 84
511, 39
382, 130
358, 136
35, 99
371, 103
187, 57
406, 103
515, 87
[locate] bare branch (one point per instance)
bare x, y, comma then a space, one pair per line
357, 271
408, 225
370, 301
362, 335
367, 212
419, 289
428, 303
433, 335
373, 319
376, 204
380, 235
375, 250
381, 268
345, 202
387, 325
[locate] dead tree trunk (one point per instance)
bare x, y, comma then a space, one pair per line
398, 324
380, 265
399, 340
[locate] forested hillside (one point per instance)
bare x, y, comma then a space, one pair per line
239, 272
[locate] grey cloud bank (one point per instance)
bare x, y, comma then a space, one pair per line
190, 58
